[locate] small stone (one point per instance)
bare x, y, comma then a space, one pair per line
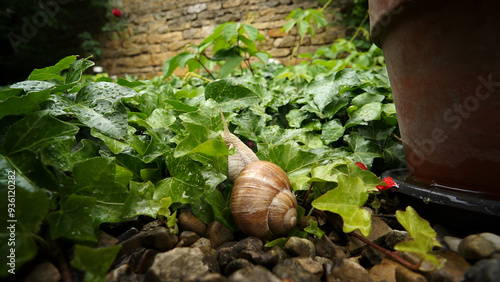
326, 248
350, 271
181, 264
44, 272
269, 258
218, 234
291, 269
227, 253
146, 261
395, 237
250, 243
379, 229
160, 238
453, 267
236, 265
373, 255
189, 222
210, 277
131, 244
486, 270
127, 234
120, 273
452, 243
310, 265
479, 246
391, 271
253, 274
300, 247
187, 238
105, 240
282, 255
151, 225
202, 242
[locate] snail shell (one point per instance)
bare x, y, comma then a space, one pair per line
262, 201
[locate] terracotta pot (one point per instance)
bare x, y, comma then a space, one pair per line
443, 61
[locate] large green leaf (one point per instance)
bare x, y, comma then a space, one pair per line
231, 95
98, 105
18, 221
346, 200
76, 70
23, 104
36, 131
52, 72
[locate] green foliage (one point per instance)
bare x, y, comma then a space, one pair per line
231, 44
422, 236
95, 262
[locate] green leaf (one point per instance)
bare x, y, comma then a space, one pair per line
313, 229
24, 104
229, 30
289, 25
422, 236
332, 131
230, 65
346, 200
21, 198
201, 140
252, 31
52, 72
36, 131
140, 201
362, 150
231, 95
29, 86
95, 262
74, 219
98, 105
76, 69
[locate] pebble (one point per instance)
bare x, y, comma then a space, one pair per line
291, 269
253, 274
486, 270
187, 238
311, 265
159, 238
202, 242
300, 247
391, 271
479, 246
379, 229
146, 261
348, 270
189, 222
181, 264
44, 272
453, 267
395, 237
218, 234
452, 243
105, 240
269, 258
236, 265
326, 248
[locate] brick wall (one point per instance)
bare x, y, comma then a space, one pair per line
158, 30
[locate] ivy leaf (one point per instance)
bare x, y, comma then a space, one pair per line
346, 200
25, 222
52, 72
296, 162
201, 140
332, 131
74, 219
140, 201
314, 229
231, 95
95, 262
362, 150
422, 236
36, 131
76, 69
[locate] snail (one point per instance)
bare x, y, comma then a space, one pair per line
262, 202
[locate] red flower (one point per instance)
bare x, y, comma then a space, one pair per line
117, 13
362, 165
389, 182
250, 144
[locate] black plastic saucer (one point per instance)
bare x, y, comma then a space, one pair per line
461, 211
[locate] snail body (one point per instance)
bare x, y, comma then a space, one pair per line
262, 202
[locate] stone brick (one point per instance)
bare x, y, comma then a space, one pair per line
214, 5
173, 14
277, 32
136, 50
160, 58
143, 60
192, 33
233, 3
167, 37
279, 53
288, 41
176, 25
176, 45
151, 49
196, 8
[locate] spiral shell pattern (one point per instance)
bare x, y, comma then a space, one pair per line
262, 201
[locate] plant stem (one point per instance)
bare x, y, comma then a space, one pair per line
307, 193
392, 255
359, 27
209, 73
